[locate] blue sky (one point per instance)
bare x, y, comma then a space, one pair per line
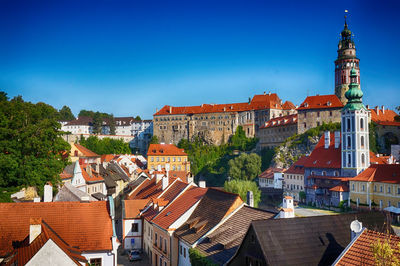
131, 57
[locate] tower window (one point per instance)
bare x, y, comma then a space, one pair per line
362, 141
361, 123
349, 159
363, 159
348, 142
348, 125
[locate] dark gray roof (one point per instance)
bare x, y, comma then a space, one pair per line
113, 173
70, 168
317, 240
99, 196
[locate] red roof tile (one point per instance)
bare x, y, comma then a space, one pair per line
85, 226
324, 158
385, 117
297, 167
85, 151
269, 173
107, 157
173, 190
281, 121
340, 188
134, 207
94, 177
385, 173
288, 106
165, 150
321, 102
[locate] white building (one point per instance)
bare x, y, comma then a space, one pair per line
287, 210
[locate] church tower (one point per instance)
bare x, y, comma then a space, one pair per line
355, 133
345, 62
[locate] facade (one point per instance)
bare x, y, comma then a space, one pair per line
287, 210
293, 179
277, 130
161, 156
271, 178
345, 62
316, 110
215, 123
88, 180
78, 152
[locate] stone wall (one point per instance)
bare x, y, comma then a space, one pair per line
315, 117
271, 137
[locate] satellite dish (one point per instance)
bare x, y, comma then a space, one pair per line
356, 226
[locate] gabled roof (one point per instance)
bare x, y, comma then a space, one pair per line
297, 167
384, 117
70, 193
94, 177
385, 173
108, 157
213, 207
359, 252
316, 240
325, 158
340, 188
86, 226
269, 173
288, 105
222, 243
165, 150
81, 121
321, 102
281, 121
85, 151
173, 190
132, 208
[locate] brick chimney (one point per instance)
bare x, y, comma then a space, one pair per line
327, 139
35, 228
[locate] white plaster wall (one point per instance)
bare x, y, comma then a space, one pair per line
50, 254
183, 261
128, 234
107, 258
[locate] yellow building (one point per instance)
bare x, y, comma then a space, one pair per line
377, 186
159, 155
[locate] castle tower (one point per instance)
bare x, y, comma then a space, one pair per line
355, 134
345, 61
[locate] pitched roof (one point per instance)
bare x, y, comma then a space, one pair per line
179, 206
85, 151
173, 190
377, 160
132, 208
70, 193
385, 117
324, 158
213, 207
80, 121
223, 242
86, 226
281, 121
93, 177
288, 105
360, 251
108, 157
269, 173
340, 188
385, 173
297, 167
321, 238
165, 150
321, 102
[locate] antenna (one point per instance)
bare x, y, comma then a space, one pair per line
356, 226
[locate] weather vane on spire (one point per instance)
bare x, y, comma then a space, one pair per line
345, 16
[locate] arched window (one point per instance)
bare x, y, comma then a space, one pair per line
324, 173
348, 142
348, 124
361, 123
362, 141
76, 153
336, 173
349, 159
363, 159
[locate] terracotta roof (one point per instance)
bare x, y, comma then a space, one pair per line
385, 117
298, 167
360, 252
182, 175
324, 158
85, 226
213, 207
385, 173
94, 177
178, 207
230, 234
133, 208
340, 188
281, 121
269, 173
149, 189
373, 159
108, 157
321, 102
23, 254
266, 101
165, 150
288, 106
173, 190
85, 151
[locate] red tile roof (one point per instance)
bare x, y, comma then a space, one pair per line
360, 252
165, 150
134, 207
107, 157
340, 188
377, 160
269, 173
321, 102
85, 151
324, 158
385, 173
173, 190
385, 118
298, 167
179, 206
85, 226
64, 175
94, 177
281, 121
288, 106
259, 102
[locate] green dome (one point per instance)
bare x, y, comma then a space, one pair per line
354, 94
353, 72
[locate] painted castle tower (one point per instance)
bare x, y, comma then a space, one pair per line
345, 62
355, 134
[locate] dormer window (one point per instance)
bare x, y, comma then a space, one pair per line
305, 104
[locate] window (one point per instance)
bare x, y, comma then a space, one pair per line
324, 173
317, 114
184, 252
375, 188
135, 227
155, 240
180, 249
381, 189
160, 242
349, 159
352, 187
389, 203
363, 159
388, 190
361, 123
363, 187
348, 125
398, 190
362, 141
95, 261
330, 113
165, 245
348, 141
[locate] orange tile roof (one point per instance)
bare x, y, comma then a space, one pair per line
385, 118
281, 121
297, 167
259, 102
95, 177
324, 158
360, 252
340, 188
385, 173
165, 150
321, 102
173, 190
182, 175
107, 157
179, 206
377, 160
269, 173
85, 226
65, 175
288, 106
85, 151
134, 207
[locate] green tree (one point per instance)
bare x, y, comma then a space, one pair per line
112, 125
138, 118
245, 166
154, 140
241, 187
198, 259
105, 145
3, 96
97, 123
65, 114
31, 145
385, 254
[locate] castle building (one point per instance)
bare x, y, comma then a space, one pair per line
345, 62
277, 130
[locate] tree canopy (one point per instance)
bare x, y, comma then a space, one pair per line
105, 145
65, 114
31, 146
245, 166
241, 187
138, 118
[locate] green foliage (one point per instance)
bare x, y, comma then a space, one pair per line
105, 145
112, 125
91, 114
302, 196
266, 157
97, 123
384, 254
138, 118
373, 145
198, 259
3, 96
31, 146
239, 141
241, 187
65, 114
154, 140
245, 166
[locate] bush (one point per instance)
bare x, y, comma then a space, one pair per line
241, 187
198, 259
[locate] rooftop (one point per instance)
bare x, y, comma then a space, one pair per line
281, 121
385, 173
165, 150
321, 102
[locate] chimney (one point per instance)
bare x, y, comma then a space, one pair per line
89, 170
265, 93
355, 228
269, 93
170, 109
327, 139
164, 182
159, 168
337, 139
158, 177
367, 106
35, 228
190, 179
167, 169
250, 199
377, 110
202, 184
48, 193
383, 109
36, 199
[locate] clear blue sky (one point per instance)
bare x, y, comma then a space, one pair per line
131, 57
